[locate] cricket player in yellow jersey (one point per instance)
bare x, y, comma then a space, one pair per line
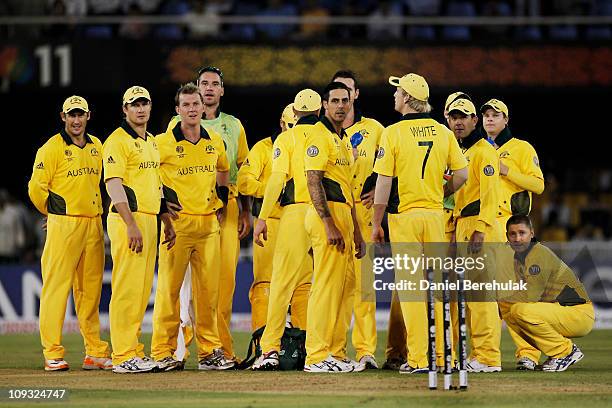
364, 135
191, 156
555, 307
292, 264
520, 176
417, 150
332, 225
131, 174
476, 223
236, 222
252, 180
65, 187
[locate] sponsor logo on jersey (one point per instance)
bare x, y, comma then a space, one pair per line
110, 160
534, 270
82, 172
180, 149
40, 166
312, 151
68, 153
488, 170
210, 149
209, 168
148, 165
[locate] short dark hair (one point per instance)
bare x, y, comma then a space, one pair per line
346, 73
188, 89
334, 85
519, 219
209, 68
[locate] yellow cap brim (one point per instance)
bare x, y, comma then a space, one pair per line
393, 80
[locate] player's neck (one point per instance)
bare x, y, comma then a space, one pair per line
141, 130
406, 110
191, 132
211, 111
350, 119
337, 126
78, 140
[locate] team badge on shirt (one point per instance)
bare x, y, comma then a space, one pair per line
94, 151
381, 153
277, 152
312, 151
488, 170
536, 161
534, 270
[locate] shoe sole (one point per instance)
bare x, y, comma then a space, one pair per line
484, 370
96, 367
50, 369
132, 371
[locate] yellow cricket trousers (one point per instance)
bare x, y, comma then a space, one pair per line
291, 276
262, 274
198, 243
364, 304
548, 326
418, 226
396, 336
326, 328
230, 250
523, 348
73, 257
482, 317
131, 284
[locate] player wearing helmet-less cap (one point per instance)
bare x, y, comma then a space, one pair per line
417, 150
253, 177
292, 264
520, 176
476, 223
65, 188
364, 134
133, 182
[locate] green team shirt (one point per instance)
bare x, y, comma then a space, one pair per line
231, 130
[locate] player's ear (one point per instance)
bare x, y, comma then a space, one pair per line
88, 115
176, 108
324, 105
356, 94
63, 116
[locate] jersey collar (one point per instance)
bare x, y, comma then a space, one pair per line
68, 139
418, 115
275, 135
503, 137
178, 133
307, 120
522, 256
471, 139
130, 130
331, 128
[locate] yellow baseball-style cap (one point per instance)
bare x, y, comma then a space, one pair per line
135, 92
464, 106
415, 85
496, 105
75, 102
453, 97
307, 100
288, 115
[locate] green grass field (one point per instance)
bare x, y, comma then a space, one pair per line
587, 384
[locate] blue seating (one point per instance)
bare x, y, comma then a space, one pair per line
98, 31
459, 9
563, 32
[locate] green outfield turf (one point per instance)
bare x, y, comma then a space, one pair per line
588, 384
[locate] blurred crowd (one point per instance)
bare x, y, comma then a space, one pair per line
377, 13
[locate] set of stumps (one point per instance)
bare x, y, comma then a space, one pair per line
447, 327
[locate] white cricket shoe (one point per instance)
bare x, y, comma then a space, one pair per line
329, 365
58, 364
369, 362
475, 366
266, 362
525, 363
97, 363
215, 361
562, 363
135, 365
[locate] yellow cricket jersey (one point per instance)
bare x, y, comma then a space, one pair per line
327, 151
524, 168
370, 131
231, 130
288, 158
548, 278
189, 171
66, 178
417, 150
254, 174
135, 161
480, 193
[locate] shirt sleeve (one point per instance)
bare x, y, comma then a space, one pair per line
385, 157
42, 174
243, 147
281, 156
456, 159
488, 171
317, 151
250, 172
529, 176
115, 156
